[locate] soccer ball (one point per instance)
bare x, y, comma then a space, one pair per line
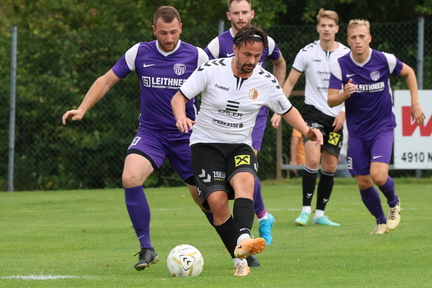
185, 261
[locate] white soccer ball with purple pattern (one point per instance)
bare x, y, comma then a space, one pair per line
185, 261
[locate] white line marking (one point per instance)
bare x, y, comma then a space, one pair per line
42, 277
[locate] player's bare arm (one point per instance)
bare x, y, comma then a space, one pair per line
417, 113
178, 104
279, 69
294, 118
96, 92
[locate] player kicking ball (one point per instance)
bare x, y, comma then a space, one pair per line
224, 164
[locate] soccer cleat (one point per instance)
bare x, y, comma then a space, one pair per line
147, 256
393, 218
252, 261
249, 247
380, 229
265, 227
323, 220
303, 219
242, 269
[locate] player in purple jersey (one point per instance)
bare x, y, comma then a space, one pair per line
314, 60
240, 14
161, 66
363, 75
224, 164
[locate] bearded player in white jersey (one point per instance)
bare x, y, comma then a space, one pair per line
225, 166
314, 60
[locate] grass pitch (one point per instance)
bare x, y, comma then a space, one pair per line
84, 238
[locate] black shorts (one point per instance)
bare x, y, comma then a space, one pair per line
317, 119
214, 164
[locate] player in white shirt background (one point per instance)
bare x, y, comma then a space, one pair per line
314, 60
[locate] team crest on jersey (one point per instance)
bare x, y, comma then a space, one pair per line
253, 94
179, 69
375, 75
242, 160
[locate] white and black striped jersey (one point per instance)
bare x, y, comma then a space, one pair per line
229, 104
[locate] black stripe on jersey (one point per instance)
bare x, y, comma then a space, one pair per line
214, 62
233, 106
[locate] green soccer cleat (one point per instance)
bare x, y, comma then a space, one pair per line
325, 221
303, 219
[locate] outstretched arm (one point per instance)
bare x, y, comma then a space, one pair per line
294, 118
96, 92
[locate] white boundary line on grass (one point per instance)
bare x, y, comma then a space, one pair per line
43, 277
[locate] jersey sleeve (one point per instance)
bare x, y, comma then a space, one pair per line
278, 102
202, 57
335, 81
299, 61
212, 49
274, 52
394, 64
196, 83
126, 63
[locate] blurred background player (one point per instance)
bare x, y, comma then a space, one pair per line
314, 60
364, 77
297, 153
240, 14
157, 137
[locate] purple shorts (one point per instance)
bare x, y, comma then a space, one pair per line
363, 151
258, 131
157, 146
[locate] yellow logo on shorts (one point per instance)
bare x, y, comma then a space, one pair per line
334, 138
242, 160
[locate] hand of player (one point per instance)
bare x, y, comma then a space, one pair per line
417, 114
339, 122
72, 115
314, 134
350, 88
185, 125
275, 120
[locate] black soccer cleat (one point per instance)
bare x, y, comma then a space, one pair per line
147, 256
252, 261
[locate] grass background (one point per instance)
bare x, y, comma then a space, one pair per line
87, 234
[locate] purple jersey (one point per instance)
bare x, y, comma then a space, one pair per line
160, 75
370, 110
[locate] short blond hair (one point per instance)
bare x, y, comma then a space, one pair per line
327, 14
359, 22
